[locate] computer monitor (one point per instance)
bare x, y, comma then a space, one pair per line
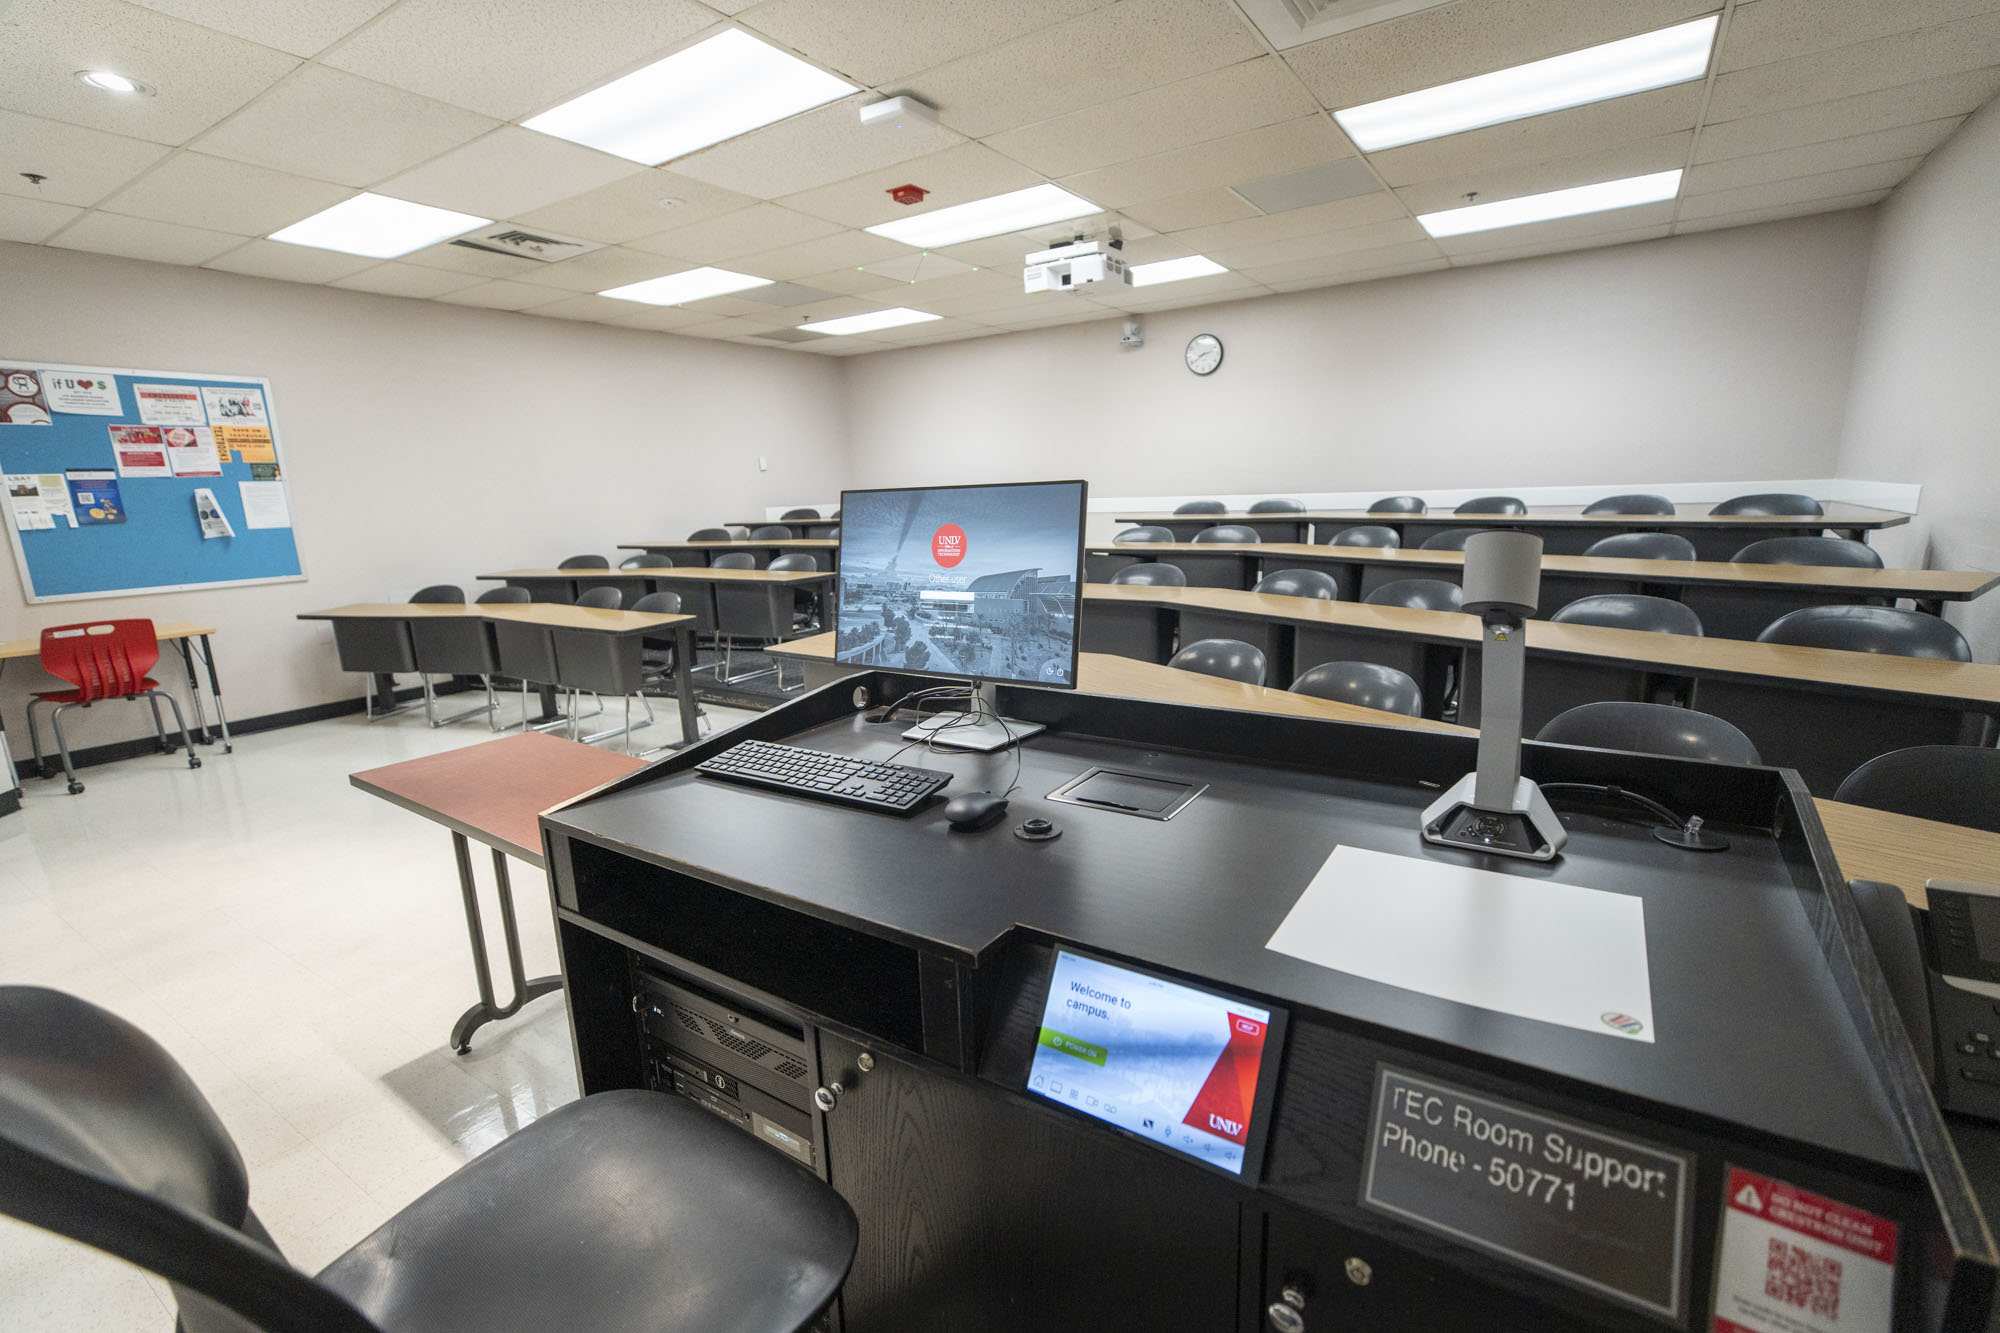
978, 583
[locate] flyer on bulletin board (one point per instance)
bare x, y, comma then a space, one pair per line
22, 402
94, 493
191, 451
169, 405
24, 498
238, 405
88, 393
251, 444
141, 451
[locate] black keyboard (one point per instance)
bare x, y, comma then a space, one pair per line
897, 788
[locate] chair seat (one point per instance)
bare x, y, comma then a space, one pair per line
627, 1210
79, 697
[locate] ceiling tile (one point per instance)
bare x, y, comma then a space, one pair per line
850, 282
1245, 96
1338, 265
1265, 254
1559, 134
1169, 295
613, 266
1613, 161
879, 41
1566, 244
731, 326
814, 148
955, 176
840, 347
33, 220
932, 331
1457, 41
502, 295
1006, 252
789, 295
1826, 185
508, 172
746, 231
1197, 208
1106, 54
1230, 161
1777, 212
850, 249
515, 59
1814, 159
142, 238
922, 267
1321, 184
1379, 207
659, 318
290, 263
587, 307
1866, 67
1773, 30
1911, 104
301, 29
399, 279
715, 307
333, 126
466, 259
82, 165
1367, 275
1545, 237
198, 75
201, 191
633, 207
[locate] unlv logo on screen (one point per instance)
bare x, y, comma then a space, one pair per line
948, 545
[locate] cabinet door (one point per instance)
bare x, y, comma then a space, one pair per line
982, 1211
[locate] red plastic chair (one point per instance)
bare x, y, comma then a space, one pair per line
103, 659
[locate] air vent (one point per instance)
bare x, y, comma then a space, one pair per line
542, 247
789, 336
1290, 23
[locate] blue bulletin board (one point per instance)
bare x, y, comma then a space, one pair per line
102, 471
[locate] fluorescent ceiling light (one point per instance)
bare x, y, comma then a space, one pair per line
1033, 207
1599, 198
1615, 69
109, 81
874, 319
714, 90
1175, 270
378, 227
678, 288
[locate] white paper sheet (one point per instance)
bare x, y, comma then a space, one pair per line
264, 504
1512, 943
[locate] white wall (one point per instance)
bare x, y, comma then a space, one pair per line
422, 443
1926, 394
1711, 357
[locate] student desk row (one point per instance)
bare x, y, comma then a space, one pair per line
1734, 601
1869, 844
695, 586
1715, 536
595, 650
697, 554
801, 527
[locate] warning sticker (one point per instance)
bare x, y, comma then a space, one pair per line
1796, 1262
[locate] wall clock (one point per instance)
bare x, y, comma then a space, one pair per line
1204, 353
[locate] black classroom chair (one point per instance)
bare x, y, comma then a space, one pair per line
646, 560
1231, 659
1201, 507
1144, 533
1631, 504
1278, 506
1643, 546
1418, 595
1662, 729
1399, 504
1231, 533
1299, 583
734, 560
1836, 551
1774, 504
791, 514
1869, 629
585, 562
1492, 504
713, 535
440, 594
771, 532
1631, 610
601, 599
1151, 574
1365, 685
1451, 539
1953, 784
1367, 534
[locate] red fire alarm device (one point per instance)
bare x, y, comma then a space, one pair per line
908, 194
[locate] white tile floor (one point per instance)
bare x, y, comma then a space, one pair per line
299, 946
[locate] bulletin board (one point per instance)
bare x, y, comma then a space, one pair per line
141, 481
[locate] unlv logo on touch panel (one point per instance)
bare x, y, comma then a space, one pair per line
948, 545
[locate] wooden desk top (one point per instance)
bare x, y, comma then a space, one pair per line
734, 544
1900, 850
686, 573
162, 630
534, 613
495, 792
1944, 584
1694, 516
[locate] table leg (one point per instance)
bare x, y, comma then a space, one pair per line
487, 1010
684, 682
186, 649
215, 689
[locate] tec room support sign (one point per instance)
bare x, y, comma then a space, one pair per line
1796, 1262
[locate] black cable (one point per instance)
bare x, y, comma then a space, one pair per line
1618, 793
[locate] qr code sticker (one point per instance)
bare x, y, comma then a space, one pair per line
1809, 1281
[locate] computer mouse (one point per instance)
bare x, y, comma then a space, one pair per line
974, 810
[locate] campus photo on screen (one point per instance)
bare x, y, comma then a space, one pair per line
971, 581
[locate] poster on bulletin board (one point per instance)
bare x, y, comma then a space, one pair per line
141, 481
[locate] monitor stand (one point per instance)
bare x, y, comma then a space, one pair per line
949, 730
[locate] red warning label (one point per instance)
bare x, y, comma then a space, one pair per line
1797, 1262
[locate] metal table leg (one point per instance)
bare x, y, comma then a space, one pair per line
215, 689
684, 682
186, 649
487, 1010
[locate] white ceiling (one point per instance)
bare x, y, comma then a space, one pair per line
1173, 114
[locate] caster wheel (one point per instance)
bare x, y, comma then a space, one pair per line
193, 762
76, 789
462, 1050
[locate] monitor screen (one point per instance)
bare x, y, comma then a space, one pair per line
1179, 1067
971, 581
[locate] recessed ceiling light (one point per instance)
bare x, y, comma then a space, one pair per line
1599, 198
714, 90
1615, 69
696, 284
874, 319
377, 226
1175, 270
1033, 207
105, 80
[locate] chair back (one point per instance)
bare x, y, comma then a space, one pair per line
440, 594
1771, 503
646, 560
794, 564
1631, 504
1300, 583
1837, 551
1367, 534
105, 1140
739, 533
585, 562
603, 599
658, 604
1678, 733
1233, 533
102, 659
1279, 506
1954, 784
1146, 533
1631, 610
1643, 546
1231, 659
1201, 507
1418, 595
1492, 504
504, 596
1365, 685
734, 560
1399, 504
790, 514
1151, 574
713, 535
1451, 539
771, 532
1870, 629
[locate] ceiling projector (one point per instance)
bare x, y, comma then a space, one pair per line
1074, 264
